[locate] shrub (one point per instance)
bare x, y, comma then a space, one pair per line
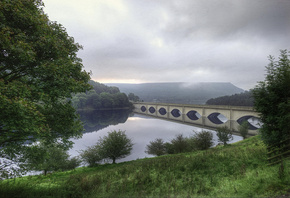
156, 147
180, 144
72, 163
224, 134
91, 156
169, 148
202, 140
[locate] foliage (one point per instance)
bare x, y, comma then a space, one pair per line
180, 144
272, 100
91, 156
224, 134
39, 69
51, 157
241, 99
101, 97
133, 97
244, 129
202, 140
237, 171
115, 145
156, 147
72, 163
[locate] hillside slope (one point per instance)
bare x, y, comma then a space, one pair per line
178, 92
237, 170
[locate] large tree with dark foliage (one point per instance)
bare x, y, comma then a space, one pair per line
39, 69
272, 100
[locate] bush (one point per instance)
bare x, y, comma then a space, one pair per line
91, 156
169, 148
72, 163
224, 134
156, 147
180, 144
202, 140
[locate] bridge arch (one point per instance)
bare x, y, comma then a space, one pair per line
193, 115
215, 118
176, 113
152, 110
143, 109
162, 111
251, 125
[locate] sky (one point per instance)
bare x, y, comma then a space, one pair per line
141, 41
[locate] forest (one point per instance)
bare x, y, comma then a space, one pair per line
101, 97
241, 99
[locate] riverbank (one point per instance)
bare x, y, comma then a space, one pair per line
238, 170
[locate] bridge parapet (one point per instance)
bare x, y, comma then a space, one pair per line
203, 115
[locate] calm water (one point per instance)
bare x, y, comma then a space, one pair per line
141, 129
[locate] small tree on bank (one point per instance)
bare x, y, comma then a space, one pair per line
91, 155
224, 134
180, 144
202, 140
50, 157
115, 146
272, 100
156, 147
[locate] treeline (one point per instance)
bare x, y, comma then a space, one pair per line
101, 97
242, 99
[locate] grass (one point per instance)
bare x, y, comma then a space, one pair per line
237, 170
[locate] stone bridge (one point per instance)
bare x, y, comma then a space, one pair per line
204, 116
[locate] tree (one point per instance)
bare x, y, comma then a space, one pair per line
51, 157
39, 69
272, 100
156, 147
224, 134
133, 97
115, 146
179, 144
244, 129
91, 155
202, 140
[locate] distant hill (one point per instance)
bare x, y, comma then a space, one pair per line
242, 99
178, 92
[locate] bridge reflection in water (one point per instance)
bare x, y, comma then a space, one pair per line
204, 116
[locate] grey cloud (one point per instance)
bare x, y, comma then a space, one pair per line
178, 40
228, 18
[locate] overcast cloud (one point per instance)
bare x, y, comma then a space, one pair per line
139, 41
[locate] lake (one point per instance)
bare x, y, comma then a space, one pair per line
140, 128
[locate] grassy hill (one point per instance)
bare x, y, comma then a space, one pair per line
237, 170
178, 92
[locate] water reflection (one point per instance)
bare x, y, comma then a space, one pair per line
140, 128
99, 119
